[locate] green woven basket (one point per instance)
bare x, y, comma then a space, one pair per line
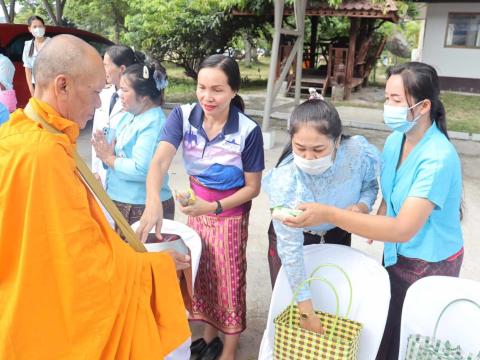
340, 340
421, 347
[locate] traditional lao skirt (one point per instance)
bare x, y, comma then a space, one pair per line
219, 297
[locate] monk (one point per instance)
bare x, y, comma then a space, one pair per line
69, 287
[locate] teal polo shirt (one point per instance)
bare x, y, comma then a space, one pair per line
431, 171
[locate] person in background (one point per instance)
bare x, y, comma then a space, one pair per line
115, 60
7, 93
223, 155
137, 136
36, 26
4, 114
421, 182
320, 164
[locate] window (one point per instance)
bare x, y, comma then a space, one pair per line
463, 30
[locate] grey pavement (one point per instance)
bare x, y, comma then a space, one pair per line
258, 279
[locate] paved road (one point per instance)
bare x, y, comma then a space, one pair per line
258, 280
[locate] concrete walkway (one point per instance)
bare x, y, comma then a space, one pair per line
357, 117
258, 279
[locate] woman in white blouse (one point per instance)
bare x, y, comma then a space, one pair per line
36, 26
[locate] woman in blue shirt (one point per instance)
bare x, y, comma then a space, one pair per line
137, 136
320, 164
421, 184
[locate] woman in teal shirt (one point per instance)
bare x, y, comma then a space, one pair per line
137, 136
421, 185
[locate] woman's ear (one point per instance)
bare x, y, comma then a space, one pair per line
426, 106
122, 68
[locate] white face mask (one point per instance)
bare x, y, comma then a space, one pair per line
314, 166
38, 32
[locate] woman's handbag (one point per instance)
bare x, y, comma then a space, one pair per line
422, 347
341, 337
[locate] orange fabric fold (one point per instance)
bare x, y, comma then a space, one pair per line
69, 287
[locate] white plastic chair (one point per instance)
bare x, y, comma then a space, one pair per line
426, 298
371, 294
189, 236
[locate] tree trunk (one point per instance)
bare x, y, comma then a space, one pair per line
116, 34
313, 41
59, 10
49, 9
248, 50
12, 11
9, 14
354, 25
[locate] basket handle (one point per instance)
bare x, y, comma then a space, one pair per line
297, 290
346, 277
445, 309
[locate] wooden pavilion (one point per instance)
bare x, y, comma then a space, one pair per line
348, 63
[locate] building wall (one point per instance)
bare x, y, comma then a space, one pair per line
449, 62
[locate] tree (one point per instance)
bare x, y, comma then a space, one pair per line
56, 14
8, 12
105, 17
184, 32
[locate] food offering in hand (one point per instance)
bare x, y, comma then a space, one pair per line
280, 213
185, 198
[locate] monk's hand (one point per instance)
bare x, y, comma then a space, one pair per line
312, 214
199, 207
104, 150
152, 216
182, 261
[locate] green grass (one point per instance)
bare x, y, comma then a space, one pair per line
181, 88
463, 111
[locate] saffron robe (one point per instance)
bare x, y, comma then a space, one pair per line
69, 287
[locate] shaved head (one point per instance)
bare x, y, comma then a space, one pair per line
66, 55
69, 76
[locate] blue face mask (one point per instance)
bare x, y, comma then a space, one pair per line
396, 117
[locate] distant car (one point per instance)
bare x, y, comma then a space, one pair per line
12, 41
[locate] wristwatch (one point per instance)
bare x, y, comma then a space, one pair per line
219, 208
307, 315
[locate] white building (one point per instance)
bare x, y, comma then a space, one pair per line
450, 41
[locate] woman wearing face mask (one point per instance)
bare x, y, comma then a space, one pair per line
36, 26
137, 136
421, 184
319, 164
116, 59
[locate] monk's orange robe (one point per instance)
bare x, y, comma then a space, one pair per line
69, 287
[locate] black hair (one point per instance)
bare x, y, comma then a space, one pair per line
124, 55
230, 68
29, 22
317, 113
420, 82
147, 80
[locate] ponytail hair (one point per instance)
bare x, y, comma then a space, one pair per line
420, 82
230, 68
30, 20
238, 102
